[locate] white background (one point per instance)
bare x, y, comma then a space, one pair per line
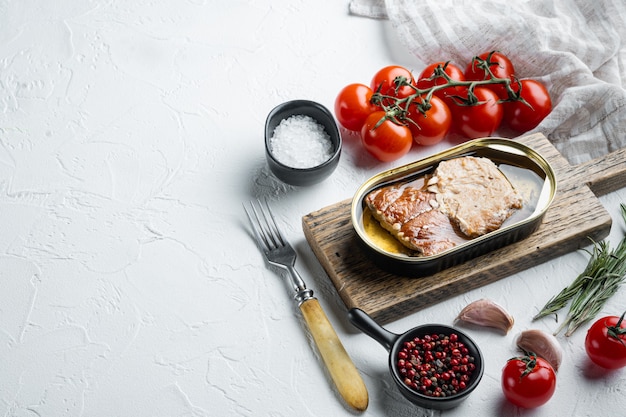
130, 134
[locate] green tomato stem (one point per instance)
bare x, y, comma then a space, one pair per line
398, 108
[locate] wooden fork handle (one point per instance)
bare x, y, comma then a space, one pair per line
342, 370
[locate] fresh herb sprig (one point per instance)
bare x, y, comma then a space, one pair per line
605, 272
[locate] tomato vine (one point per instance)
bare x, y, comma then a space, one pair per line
397, 108
441, 101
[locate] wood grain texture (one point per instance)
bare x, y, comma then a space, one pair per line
575, 215
606, 174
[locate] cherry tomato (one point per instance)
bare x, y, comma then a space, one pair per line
353, 105
453, 71
606, 342
528, 381
499, 65
432, 126
481, 119
387, 141
385, 80
523, 117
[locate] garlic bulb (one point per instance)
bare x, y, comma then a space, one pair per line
541, 344
485, 312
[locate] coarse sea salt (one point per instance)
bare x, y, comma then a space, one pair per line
300, 142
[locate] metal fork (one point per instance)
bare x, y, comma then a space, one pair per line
279, 252
276, 249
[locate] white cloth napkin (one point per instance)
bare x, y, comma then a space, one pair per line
576, 47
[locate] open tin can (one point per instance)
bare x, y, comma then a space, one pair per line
527, 171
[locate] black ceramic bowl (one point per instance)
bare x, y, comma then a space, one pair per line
394, 343
302, 176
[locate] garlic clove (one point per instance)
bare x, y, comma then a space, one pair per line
485, 312
542, 344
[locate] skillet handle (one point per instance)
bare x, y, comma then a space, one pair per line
365, 323
342, 370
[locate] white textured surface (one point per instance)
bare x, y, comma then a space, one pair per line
130, 134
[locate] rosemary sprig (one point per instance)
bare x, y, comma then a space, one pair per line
605, 272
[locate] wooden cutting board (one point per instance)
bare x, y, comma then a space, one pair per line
575, 215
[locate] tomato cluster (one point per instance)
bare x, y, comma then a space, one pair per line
397, 109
